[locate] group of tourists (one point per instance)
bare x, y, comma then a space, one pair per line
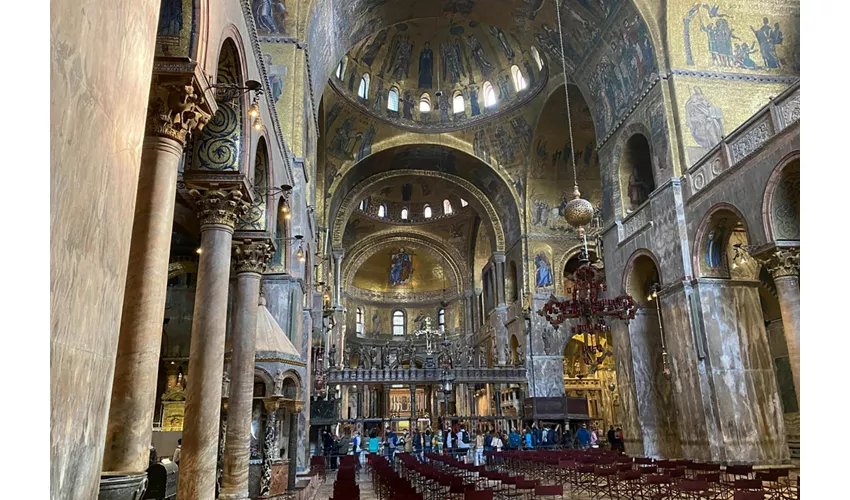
466, 446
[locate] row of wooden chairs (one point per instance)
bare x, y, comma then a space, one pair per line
598, 475
345, 485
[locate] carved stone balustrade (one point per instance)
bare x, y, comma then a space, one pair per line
501, 374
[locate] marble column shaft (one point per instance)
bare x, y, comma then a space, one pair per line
251, 260
293, 443
338, 254
128, 433
784, 265
217, 212
499, 260
96, 126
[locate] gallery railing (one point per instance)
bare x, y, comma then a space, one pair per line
470, 375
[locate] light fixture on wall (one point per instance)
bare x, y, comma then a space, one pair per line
741, 253
228, 91
665, 358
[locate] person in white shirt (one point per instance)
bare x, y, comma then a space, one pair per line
497, 443
463, 446
176, 457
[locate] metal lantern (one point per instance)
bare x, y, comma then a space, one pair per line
578, 212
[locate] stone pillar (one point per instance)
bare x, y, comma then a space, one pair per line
468, 312
251, 260
218, 210
94, 172
784, 266
412, 404
128, 434
499, 260
295, 409
270, 448
338, 253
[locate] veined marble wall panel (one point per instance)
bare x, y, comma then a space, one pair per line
546, 376
741, 368
654, 391
628, 413
698, 429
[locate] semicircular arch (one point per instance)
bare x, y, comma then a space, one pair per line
352, 199
378, 241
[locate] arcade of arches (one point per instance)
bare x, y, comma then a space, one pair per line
324, 210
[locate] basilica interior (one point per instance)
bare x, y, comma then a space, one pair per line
311, 216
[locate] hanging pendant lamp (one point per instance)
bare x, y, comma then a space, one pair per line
578, 211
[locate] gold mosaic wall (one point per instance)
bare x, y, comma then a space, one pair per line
760, 37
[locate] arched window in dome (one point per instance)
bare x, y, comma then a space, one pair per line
458, 105
382, 210
340, 70
363, 91
441, 318
536, 56
392, 100
489, 95
447, 207
404, 213
425, 103
359, 325
364, 204
398, 322
463, 203
427, 211
519, 80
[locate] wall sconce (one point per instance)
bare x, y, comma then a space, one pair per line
229, 91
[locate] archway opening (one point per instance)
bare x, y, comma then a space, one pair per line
785, 204
636, 177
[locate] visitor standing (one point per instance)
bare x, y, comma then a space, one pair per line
612, 438
176, 456
583, 437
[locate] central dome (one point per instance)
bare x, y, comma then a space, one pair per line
439, 74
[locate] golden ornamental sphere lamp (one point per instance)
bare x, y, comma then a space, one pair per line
578, 212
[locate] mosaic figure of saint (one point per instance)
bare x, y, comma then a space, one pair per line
452, 61
374, 47
499, 35
544, 270
704, 120
426, 66
479, 56
402, 268
768, 39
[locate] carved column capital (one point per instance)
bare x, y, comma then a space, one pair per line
251, 256
783, 262
217, 205
176, 107
271, 404
499, 257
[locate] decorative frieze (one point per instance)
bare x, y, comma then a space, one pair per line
216, 205
636, 221
742, 147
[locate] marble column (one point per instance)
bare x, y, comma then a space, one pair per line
412, 403
270, 448
338, 253
218, 210
784, 266
295, 409
128, 433
468, 313
251, 258
96, 133
499, 260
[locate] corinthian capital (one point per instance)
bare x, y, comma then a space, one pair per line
783, 262
215, 205
251, 256
175, 108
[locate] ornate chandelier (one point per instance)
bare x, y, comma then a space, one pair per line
588, 307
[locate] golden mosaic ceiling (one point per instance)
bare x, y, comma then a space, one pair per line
409, 63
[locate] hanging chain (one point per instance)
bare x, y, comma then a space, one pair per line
566, 92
